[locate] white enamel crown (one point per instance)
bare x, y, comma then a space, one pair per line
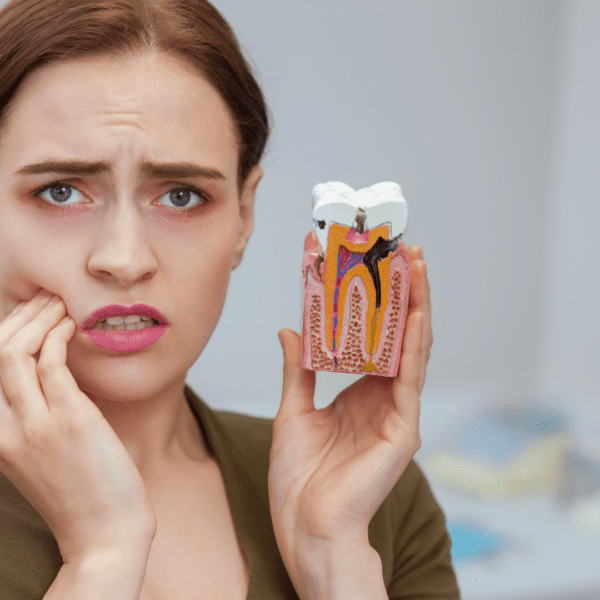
336, 202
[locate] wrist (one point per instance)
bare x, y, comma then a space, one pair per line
116, 573
327, 571
114, 541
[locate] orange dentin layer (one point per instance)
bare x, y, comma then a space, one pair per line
352, 356
337, 237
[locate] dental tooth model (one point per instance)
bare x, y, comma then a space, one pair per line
356, 280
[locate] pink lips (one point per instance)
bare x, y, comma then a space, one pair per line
125, 341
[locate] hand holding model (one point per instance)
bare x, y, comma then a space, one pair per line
331, 469
55, 445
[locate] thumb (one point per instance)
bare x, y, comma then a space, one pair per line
297, 396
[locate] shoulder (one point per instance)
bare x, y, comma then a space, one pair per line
409, 504
412, 497
250, 428
247, 431
248, 441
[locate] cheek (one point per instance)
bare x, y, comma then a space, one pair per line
207, 275
212, 279
25, 263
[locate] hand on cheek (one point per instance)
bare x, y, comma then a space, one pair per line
86, 497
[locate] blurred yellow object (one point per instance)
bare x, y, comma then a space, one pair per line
538, 466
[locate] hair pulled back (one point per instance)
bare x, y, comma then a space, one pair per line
34, 33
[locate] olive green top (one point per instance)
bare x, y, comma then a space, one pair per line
408, 530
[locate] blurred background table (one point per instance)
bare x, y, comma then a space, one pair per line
551, 548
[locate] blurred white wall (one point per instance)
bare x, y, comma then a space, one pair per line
487, 115
457, 101
569, 339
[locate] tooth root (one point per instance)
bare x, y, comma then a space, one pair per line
337, 237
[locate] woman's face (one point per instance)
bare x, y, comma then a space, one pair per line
116, 235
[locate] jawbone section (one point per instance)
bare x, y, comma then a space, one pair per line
348, 326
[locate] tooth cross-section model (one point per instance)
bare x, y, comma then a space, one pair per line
356, 280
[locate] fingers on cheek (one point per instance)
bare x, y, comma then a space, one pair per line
52, 354
54, 377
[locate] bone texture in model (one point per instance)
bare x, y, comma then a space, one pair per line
356, 280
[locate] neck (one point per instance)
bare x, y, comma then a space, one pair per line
158, 431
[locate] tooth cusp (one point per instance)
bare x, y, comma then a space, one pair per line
363, 209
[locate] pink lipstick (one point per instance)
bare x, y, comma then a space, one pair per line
124, 340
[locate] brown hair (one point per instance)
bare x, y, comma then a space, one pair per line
34, 33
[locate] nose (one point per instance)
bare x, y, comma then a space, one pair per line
122, 251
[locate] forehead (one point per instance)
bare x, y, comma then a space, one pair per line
154, 105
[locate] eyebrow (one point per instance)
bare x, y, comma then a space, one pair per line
147, 168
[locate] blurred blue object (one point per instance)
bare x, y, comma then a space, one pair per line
472, 540
512, 450
501, 432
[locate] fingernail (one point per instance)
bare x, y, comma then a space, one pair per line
42, 294
53, 300
279, 338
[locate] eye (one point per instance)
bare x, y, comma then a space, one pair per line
60, 192
180, 197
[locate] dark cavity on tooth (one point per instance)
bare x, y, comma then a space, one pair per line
381, 248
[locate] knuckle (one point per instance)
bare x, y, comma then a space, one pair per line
7, 447
70, 422
65, 426
7, 455
8, 354
34, 432
44, 366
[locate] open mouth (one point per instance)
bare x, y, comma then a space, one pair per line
131, 325
126, 337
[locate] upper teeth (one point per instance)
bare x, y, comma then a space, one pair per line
125, 320
336, 202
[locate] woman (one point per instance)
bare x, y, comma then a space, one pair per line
145, 122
